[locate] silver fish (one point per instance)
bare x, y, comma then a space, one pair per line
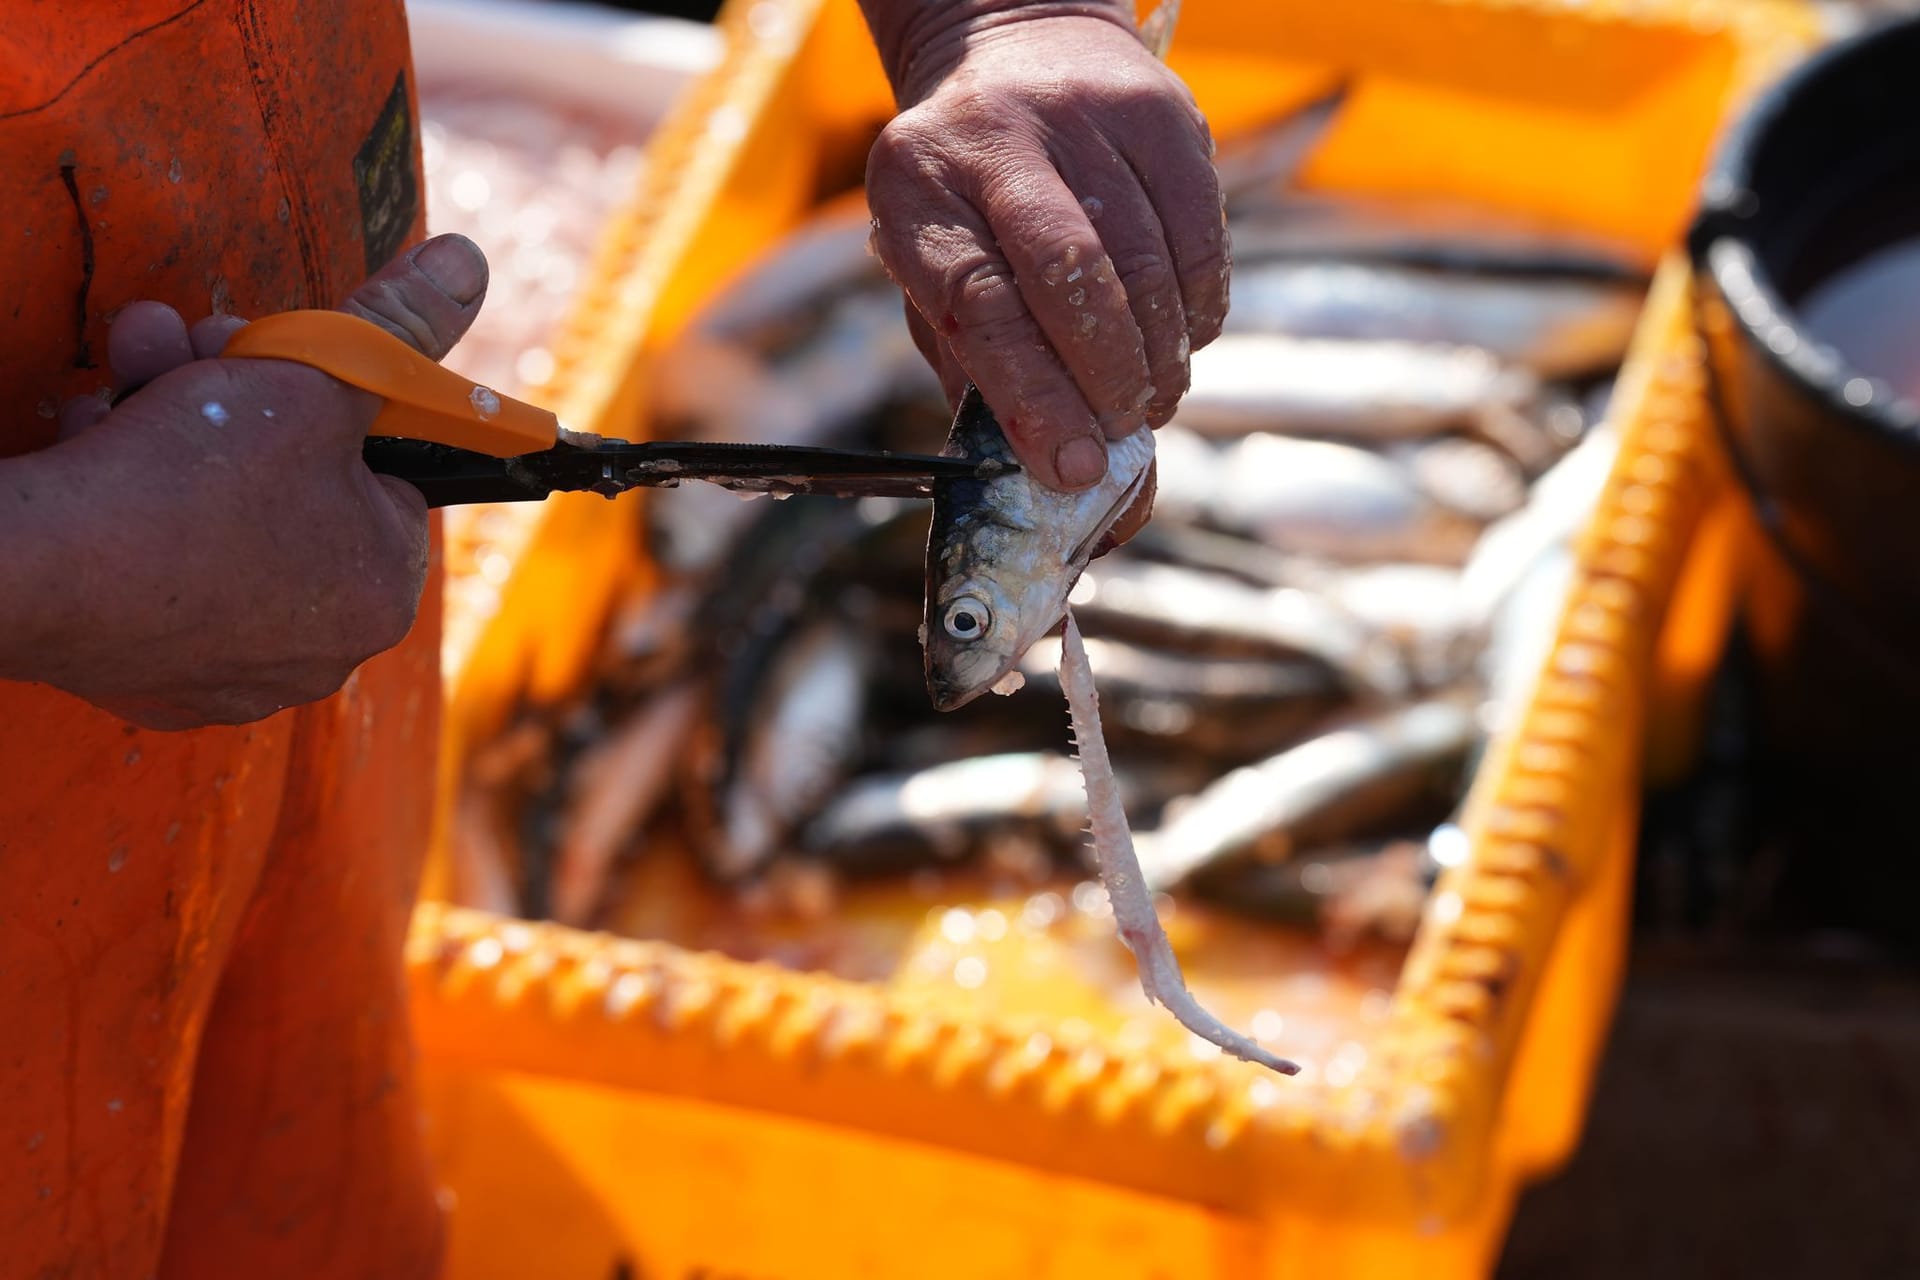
1277, 222
1556, 327
1002, 554
1209, 612
1223, 707
1556, 511
807, 738
1522, 633
1377, 886
1321, 789
786, 285
1310, 497
861, 358
1349, 389
1471, 477
947, 811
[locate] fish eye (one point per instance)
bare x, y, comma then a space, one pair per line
968, 618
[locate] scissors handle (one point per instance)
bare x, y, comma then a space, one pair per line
423, 399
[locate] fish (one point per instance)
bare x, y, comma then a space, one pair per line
1276, 222
1377, 886
614, 787
1330, 787
1234, 707
901, 819
1557, 327
1522, 631
1561, 503
1310, 497
804, 738
1134, 916
861, 360
1204, 612
1347, 389
1004, 551
1471, 477
780, 292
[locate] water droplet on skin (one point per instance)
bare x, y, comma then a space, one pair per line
485, 403
1093, 206
1185, 347
1088, 324
266, 413
117, 859
215, 412
1076, 297
1075, 275
114, 1105
173, 170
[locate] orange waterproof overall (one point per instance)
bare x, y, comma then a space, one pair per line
205, 1070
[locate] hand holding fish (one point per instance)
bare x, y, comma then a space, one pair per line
1046, 200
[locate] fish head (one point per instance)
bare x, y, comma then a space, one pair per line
1004, 553
975, 635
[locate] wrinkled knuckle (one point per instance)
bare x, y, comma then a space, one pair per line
1149, 281
898, 150
982, 292
1068, 257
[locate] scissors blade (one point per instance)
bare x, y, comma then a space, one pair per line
451, 477
758, 468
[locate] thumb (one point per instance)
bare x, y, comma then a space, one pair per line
428, 297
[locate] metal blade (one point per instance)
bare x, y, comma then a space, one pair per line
450, 477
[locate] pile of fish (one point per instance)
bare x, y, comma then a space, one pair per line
1360, 548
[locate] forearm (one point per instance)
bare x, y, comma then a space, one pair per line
921, 40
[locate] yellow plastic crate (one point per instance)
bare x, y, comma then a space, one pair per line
604, 1107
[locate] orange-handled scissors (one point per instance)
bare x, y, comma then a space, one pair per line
460, 442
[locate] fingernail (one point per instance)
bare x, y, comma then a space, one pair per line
455, 266
1080, 461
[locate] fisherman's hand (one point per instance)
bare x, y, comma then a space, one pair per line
1047, 200
226, 553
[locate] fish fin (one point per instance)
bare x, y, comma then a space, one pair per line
1083, 550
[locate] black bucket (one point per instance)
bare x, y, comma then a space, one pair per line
1817, 186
